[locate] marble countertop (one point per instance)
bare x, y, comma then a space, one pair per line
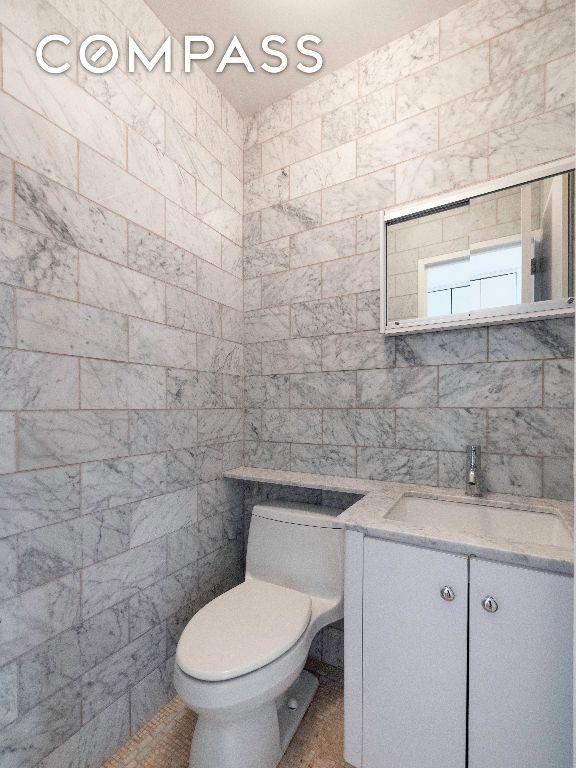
370, 516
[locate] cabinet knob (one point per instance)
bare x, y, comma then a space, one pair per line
489, 604
447, 593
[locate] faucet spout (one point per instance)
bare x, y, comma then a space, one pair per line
473, 471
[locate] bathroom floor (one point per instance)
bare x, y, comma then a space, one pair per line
165, 740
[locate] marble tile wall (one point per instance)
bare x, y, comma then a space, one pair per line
121, 363
476, 94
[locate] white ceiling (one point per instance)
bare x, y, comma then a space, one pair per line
348, 29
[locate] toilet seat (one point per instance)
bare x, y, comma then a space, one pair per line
243, 630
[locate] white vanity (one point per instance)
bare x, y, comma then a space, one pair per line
458, 644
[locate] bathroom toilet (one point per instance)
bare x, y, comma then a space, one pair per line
240, 660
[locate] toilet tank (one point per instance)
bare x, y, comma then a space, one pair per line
300, 546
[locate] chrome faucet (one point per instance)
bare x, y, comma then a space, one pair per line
473, 471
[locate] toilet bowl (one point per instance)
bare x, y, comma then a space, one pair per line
240, 660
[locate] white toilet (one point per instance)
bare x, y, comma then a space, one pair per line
240, 660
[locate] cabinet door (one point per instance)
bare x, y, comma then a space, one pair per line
520, 667
415, 658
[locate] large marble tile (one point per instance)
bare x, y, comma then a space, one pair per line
368, 232
367, 193
269, 324
359, 117
506, 384
443, 347
323, 460
355, 274
443, 82
155, 256
232, 191
534, 43
267, 190
291, 425
32, 499
50, 209
513, 474
6, 188
323, 244
61, 101
153, 518
191, 466
395, 465
40, 731
233, 324
253, 162
35, 381
215, 140
219, 496
126, 100
537, 140
325, 94
291, 146
291, 356
154, 344
232, 256
114, 287
219, 355
501, 103
560, 82
355, 351
50, 438
8, 694
216, 213
218, 285
105, 183
219, 424
113, 482
323, 390
531, 432
401, 141
449, 168
532, 341
262, 391
355, 426
291, 217
190, 233
266, 258
559, 383
267, 455
149, 164
30, 139
319, 318
95, 741
400, 58
106, 682
119, 578
302, 284
38, 614
193, 312
323, 170
232, 121
436, 429
558, 478
47, 324
105, 384
7, 317
149, 695
267, 123
191, 155
193, 389
159, 430
368, 307
398, 388
37, 262
105, 534
233, 389
479, 20
8, 569
156, 603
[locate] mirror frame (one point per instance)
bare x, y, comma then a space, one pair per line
499, 315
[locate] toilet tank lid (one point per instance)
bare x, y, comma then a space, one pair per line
300, 514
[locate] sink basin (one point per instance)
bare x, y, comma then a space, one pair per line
486, 519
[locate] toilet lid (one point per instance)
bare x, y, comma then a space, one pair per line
242, 630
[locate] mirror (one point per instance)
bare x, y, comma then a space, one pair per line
485, 258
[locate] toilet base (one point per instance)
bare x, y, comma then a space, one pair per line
257, 739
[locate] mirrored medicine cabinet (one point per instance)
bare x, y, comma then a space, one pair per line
494, 253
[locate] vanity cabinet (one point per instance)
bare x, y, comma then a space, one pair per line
464, 662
